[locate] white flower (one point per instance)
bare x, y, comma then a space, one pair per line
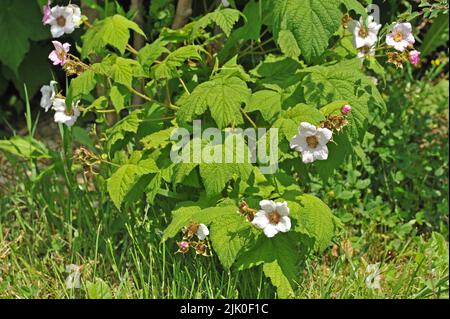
64, 20
373, 278
48, 95
365, 52
311, 142
225, 3
364, 32
401, 37
73, 279
202, 231
76, 18
272, 218
62, 115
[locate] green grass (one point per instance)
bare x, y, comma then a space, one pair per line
43, 227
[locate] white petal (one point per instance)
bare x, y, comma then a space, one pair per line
298, 143
390, 40
66, 47
59, 105
260, 220
307, 157
283, 209
46, 102
270, 230
61, 117
284, 225
404, 28
306, 129
401, 46
324, 135
267, 205
321, 153
202, 231
56, 30
359, 42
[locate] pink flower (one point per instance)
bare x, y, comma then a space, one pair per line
346, 109
401, 37
47, 11
59, 55
414, 57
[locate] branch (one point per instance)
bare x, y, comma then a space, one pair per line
184, 11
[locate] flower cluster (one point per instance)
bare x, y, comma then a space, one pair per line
52, 100
401, 39
200, 231
62, 20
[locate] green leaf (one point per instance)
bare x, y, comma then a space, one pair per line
223, 96
20, 21
343, 81
112, 31
126, 177
356, 6
158, 139
124, 70
249, 31
167, 69
82, 85
98, 289
267, 102
128, 124
279, 257
288, 44
25, 147
215, 176
313, 218
290, 120
225, 19
151, 52
312, 22
117, 98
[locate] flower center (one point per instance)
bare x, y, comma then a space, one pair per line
312, 141
363, 32
274, 217
61, 54
69, 112
61, 21
398, 37
365, 50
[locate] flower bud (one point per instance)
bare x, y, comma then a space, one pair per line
414, 57
183, 247
346, 109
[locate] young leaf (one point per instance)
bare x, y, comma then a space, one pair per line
112, 31
167, 69
225, 19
